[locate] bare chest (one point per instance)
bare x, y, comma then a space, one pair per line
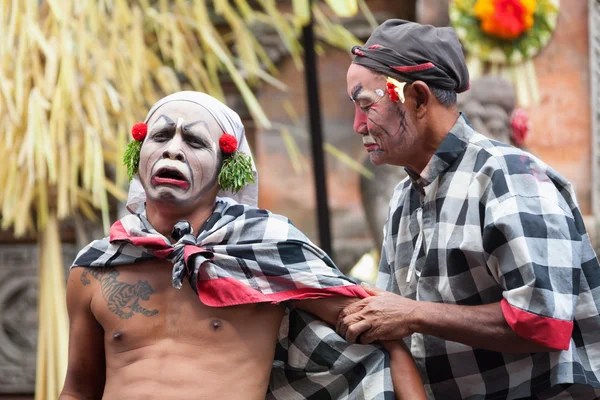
138, 307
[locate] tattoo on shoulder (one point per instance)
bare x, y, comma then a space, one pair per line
122, 298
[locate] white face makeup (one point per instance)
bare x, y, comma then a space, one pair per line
179, 160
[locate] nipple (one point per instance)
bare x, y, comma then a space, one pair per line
216, 325
117, 335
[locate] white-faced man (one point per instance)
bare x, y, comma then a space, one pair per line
139, 331
487, 270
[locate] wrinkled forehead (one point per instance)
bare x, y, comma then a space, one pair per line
186, 113
363, 80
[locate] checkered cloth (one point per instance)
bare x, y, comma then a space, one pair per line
485, 223
245, 255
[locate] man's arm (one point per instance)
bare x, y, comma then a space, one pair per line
532, 248
388, 316
405, 376
327, 309
86, 366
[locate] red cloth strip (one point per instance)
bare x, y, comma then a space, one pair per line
118, 232
412, 68
224, 292
549, 332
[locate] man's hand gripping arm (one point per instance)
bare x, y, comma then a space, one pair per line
405, 376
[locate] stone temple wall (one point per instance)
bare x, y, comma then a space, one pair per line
18, 315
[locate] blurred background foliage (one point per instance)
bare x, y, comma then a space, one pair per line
77, 74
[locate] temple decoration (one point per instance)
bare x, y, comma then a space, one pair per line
502, 37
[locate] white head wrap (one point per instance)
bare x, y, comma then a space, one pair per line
229, 121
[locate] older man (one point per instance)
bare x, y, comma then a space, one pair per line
228, 334
487, 267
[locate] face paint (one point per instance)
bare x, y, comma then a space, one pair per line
360, 120
385, 126
180, 158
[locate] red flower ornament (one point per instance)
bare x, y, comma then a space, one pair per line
392, 92
228, 143
236, 171
395, 90
131, 158
139, 130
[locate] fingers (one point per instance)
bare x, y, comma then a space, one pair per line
343, 324
356, 330
372, 290
369, 336
347, 313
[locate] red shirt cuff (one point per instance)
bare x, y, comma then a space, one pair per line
549, 332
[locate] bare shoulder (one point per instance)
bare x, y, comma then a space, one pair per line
79, 285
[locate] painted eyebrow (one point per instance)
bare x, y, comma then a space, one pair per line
358, 94
167, 119
356, 91
169, 124
200, 121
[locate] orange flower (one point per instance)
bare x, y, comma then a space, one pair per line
529, 5
506, 19
484, 9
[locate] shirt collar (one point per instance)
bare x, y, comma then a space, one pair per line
450, 150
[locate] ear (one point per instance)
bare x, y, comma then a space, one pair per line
423, 98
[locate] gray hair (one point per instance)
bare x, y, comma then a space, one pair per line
447, 98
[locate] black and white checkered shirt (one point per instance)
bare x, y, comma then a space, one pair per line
486, 223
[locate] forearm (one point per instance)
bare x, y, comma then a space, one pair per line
405, 376
476, 326
326, 309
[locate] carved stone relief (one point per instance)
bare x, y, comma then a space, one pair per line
18, 315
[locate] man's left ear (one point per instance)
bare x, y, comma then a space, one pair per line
423, 97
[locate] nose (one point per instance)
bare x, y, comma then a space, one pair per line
173, 150
360, 122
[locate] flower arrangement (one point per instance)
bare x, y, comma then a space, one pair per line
504, 31
236, 171
505, 19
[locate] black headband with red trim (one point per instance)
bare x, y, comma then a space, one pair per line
408, 51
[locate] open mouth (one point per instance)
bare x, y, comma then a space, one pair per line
170, 176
